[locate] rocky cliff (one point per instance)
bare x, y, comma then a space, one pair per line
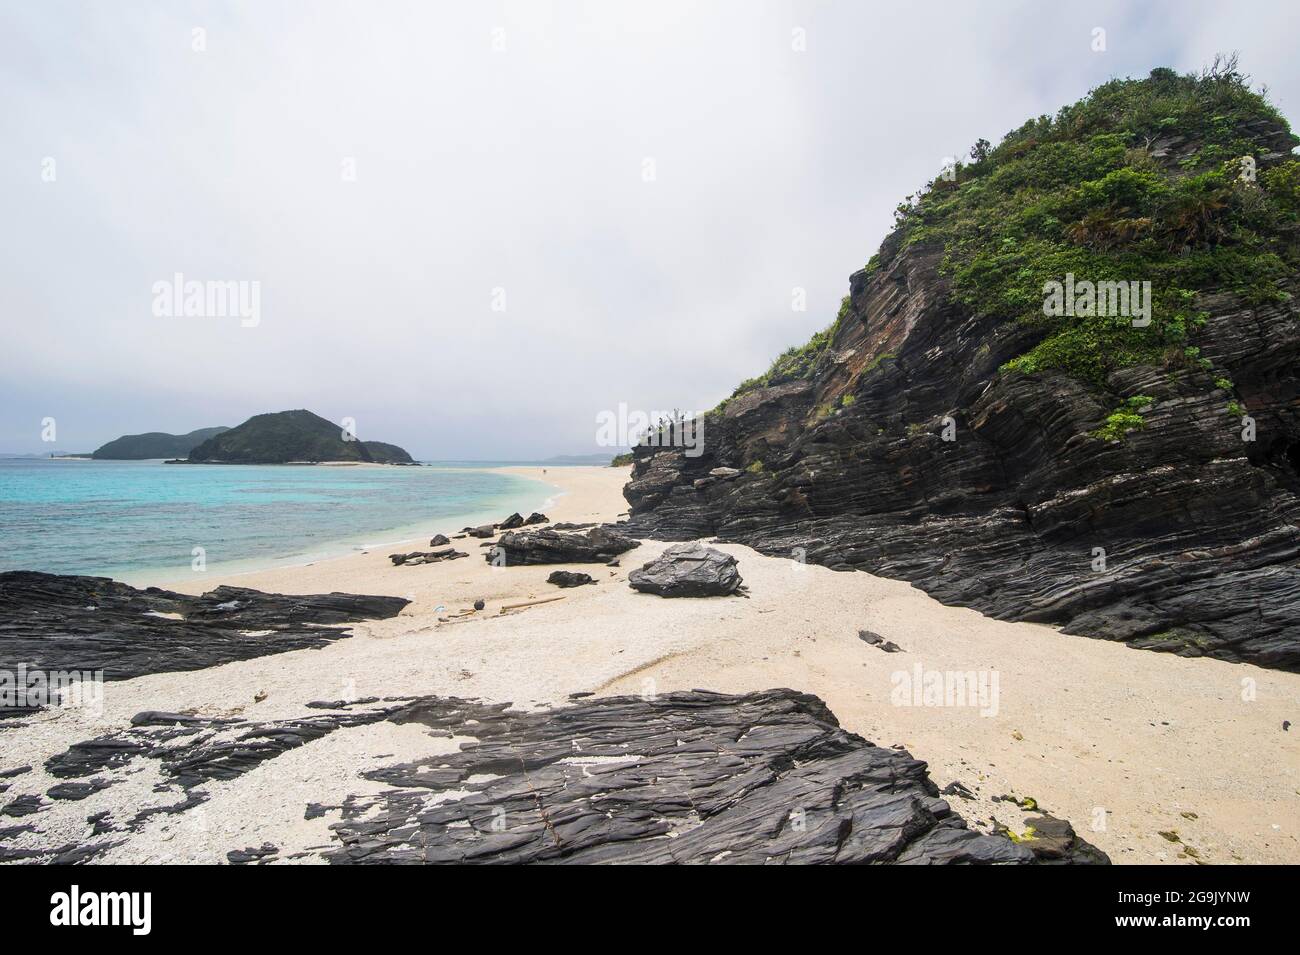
1127, 479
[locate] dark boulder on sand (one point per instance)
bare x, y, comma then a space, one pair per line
688, 570
426, 557
876, 640
251, 854
569, 578
1054, 842
24, 806
549, 546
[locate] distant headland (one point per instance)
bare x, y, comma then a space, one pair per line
292, 437
153, 444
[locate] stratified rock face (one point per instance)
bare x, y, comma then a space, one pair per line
692, 777
550, 546
292, 436
685, 778
55, 622
688, 570
1198, 528
908, 450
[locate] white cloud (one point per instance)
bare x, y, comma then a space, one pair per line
478, 169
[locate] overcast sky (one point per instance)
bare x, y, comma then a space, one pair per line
478, 168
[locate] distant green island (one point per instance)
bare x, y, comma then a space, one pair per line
292, 437
154, 444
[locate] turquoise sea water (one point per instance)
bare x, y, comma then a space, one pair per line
139, 521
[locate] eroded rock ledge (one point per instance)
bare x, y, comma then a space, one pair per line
694, 777
57, 622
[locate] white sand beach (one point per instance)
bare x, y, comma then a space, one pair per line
1125, 744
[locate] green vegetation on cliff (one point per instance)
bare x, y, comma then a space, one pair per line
1160, 180
292, 436
798, 362
1124, 419
1183, 181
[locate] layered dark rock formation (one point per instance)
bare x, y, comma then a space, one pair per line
907, 449
688, 570
53, 622
517, 520
1198, 527
552, 546
684, 778
426, 556
192, 751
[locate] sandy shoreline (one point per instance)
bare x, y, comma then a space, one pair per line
1125, 744
408, 536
